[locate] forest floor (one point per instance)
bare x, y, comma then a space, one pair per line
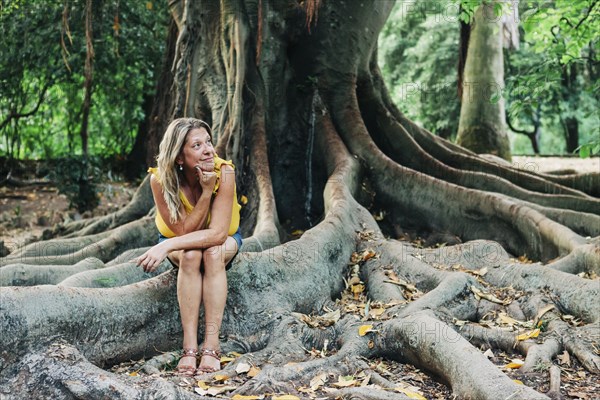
27, 211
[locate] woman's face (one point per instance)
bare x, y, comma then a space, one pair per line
198, 150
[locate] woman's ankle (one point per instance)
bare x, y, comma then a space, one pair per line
212, 344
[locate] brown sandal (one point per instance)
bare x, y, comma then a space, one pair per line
216, 354
188, 370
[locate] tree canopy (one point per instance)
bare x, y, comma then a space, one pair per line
42, 57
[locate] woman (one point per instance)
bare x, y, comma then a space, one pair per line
198, 221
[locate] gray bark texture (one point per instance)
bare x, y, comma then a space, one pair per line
337, 182
482, 124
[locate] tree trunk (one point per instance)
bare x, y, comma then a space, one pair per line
482, 127
89, 75
570, 123
319, 149
571, 134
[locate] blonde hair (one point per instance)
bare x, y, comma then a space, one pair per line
169, 149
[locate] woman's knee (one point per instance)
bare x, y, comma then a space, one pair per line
213, 259
190, 260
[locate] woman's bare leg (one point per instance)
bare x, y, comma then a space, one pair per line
189, 295
214, 290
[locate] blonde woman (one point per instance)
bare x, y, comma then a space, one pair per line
198, 220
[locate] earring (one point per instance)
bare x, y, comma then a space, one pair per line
180, 167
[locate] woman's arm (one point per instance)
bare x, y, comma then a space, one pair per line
187, 223
214, 235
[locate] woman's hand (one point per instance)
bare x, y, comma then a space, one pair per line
207, 179
151, 259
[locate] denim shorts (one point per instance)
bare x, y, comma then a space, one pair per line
237, 236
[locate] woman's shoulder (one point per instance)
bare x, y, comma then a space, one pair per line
154, 174
220, 162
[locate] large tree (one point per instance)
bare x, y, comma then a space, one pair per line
482, 124
296, 99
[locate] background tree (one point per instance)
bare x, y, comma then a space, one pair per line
560, 70
43, 45
482, 124
297, 100
418, 57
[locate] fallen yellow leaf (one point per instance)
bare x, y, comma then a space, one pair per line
410, 393
345, 381
241, 397
364, 329
505, 319
220, 377
244, 200
225, 359
253, 372
489, 297
297, 232
203, 385
528, 335
286, 397
357, 290
515, 364
518, 382
134, 373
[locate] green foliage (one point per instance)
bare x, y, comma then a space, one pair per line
418, 53
42, 56
77, 178
555, 68
589, 149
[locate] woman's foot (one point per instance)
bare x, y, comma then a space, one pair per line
187, 363
210, 361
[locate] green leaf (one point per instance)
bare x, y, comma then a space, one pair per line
495, 98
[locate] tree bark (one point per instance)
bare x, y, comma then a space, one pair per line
319, 150
89, 79
482, 127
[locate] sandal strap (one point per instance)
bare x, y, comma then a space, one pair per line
189, 352
216, 354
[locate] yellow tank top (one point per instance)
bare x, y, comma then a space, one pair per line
235, 210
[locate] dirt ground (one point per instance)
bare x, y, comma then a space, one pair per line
549, 164
27, 211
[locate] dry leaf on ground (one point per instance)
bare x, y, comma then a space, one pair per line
364, 329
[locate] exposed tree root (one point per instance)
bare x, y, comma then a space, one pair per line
114, 276
366, 393
554, 392
106, 325
61, 371
402, 146
30, 275
461, 158
541, 355
139, 205
429, 343
104, 246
